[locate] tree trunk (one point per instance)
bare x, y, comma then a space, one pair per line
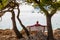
49, 28
26, 30
18, 34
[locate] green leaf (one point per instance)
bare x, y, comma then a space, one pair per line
45, 2
4, 3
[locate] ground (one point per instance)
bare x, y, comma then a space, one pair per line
9, 34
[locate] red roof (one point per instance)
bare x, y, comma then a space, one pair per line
37, 25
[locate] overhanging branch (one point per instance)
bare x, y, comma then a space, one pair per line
41, 7
53, 12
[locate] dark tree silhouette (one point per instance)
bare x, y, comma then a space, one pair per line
11, 6
27, 32
19, 35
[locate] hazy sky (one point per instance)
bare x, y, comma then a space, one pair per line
29, 18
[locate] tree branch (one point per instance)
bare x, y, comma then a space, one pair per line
18, 34
42, 8
3, 12
37, 1
53, 12
26, 30
6, 11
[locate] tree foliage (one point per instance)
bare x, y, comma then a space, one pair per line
45, 3
3, 3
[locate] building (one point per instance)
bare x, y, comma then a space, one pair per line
33, 29
36, 27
